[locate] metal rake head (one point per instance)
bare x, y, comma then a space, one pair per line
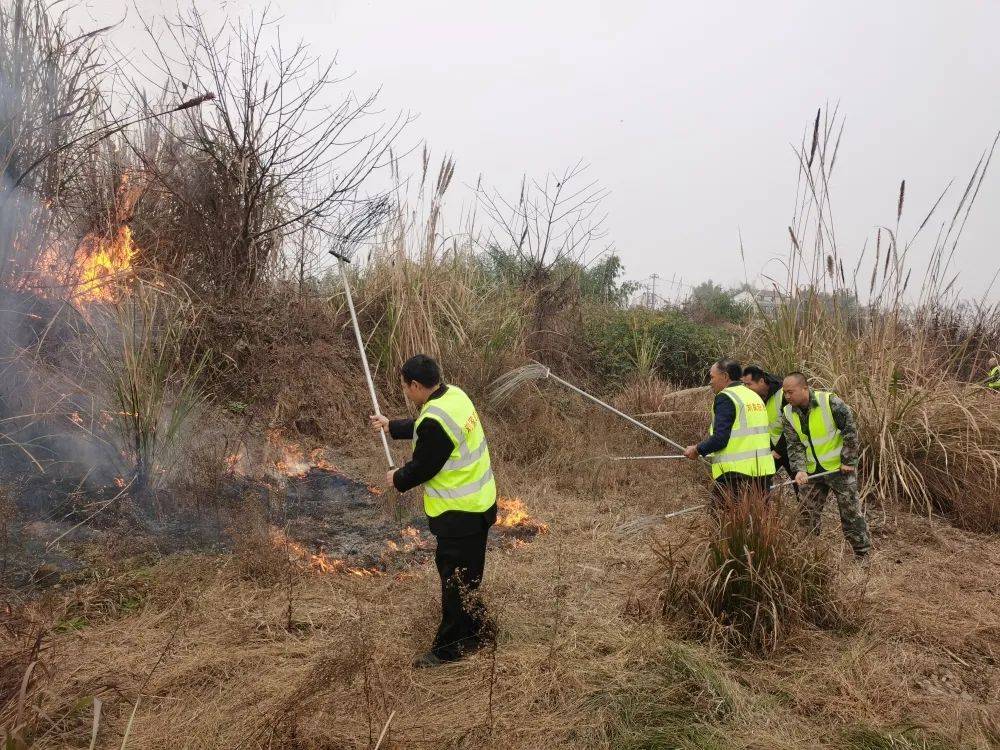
358, 225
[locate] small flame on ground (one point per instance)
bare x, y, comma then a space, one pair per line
512, 514
293, 461
319, 461
412, 541
236, 463
318, 561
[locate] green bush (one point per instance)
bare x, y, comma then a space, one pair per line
710, 303
622, 342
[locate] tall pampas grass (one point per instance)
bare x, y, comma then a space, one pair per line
906, 358
424, 291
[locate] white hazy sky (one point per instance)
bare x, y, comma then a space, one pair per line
686, 112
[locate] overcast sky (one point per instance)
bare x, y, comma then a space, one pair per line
686, 112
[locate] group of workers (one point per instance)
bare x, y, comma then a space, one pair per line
759, 423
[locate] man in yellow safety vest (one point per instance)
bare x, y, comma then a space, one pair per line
738, 444
768, 387
452, 461
823, 437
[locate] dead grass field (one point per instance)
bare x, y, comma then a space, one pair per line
207, 650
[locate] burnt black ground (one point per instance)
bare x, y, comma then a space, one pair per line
56, 523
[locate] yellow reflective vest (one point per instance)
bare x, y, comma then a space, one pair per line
993, 381
774, 415
824, 441
749, 448
465, 483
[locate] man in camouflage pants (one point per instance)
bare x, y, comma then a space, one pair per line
821, 436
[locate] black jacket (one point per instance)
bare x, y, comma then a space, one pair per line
430, 453
722, 426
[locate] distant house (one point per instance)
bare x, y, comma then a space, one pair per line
765, 300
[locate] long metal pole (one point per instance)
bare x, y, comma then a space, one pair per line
644, 458
364, 358
621, 414
811, 477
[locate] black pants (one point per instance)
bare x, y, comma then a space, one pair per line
732, 485
464, 625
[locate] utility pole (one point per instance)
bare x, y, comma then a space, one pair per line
651, 291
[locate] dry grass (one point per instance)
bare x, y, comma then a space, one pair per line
749, 583
423, 292
225, 665
235, 675
901, 355
152, 389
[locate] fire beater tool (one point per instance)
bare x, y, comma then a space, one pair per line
693, 508
685, 511
507, 384
341, 261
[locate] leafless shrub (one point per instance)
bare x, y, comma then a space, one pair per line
542, 240
267, 161
423, 291
48, 95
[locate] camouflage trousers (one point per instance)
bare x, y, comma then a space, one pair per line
844, 487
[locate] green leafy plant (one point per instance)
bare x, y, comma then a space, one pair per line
624, 343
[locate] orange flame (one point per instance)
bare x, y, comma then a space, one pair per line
511, 512
319, 461
101, 263
317, 561
293, 461
102, 260
236, 463
412, 541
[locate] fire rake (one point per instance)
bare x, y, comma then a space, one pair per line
341, 260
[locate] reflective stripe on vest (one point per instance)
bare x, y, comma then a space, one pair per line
465, 482
464, 490
774, 415
824, 442
994, 379
749, 448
